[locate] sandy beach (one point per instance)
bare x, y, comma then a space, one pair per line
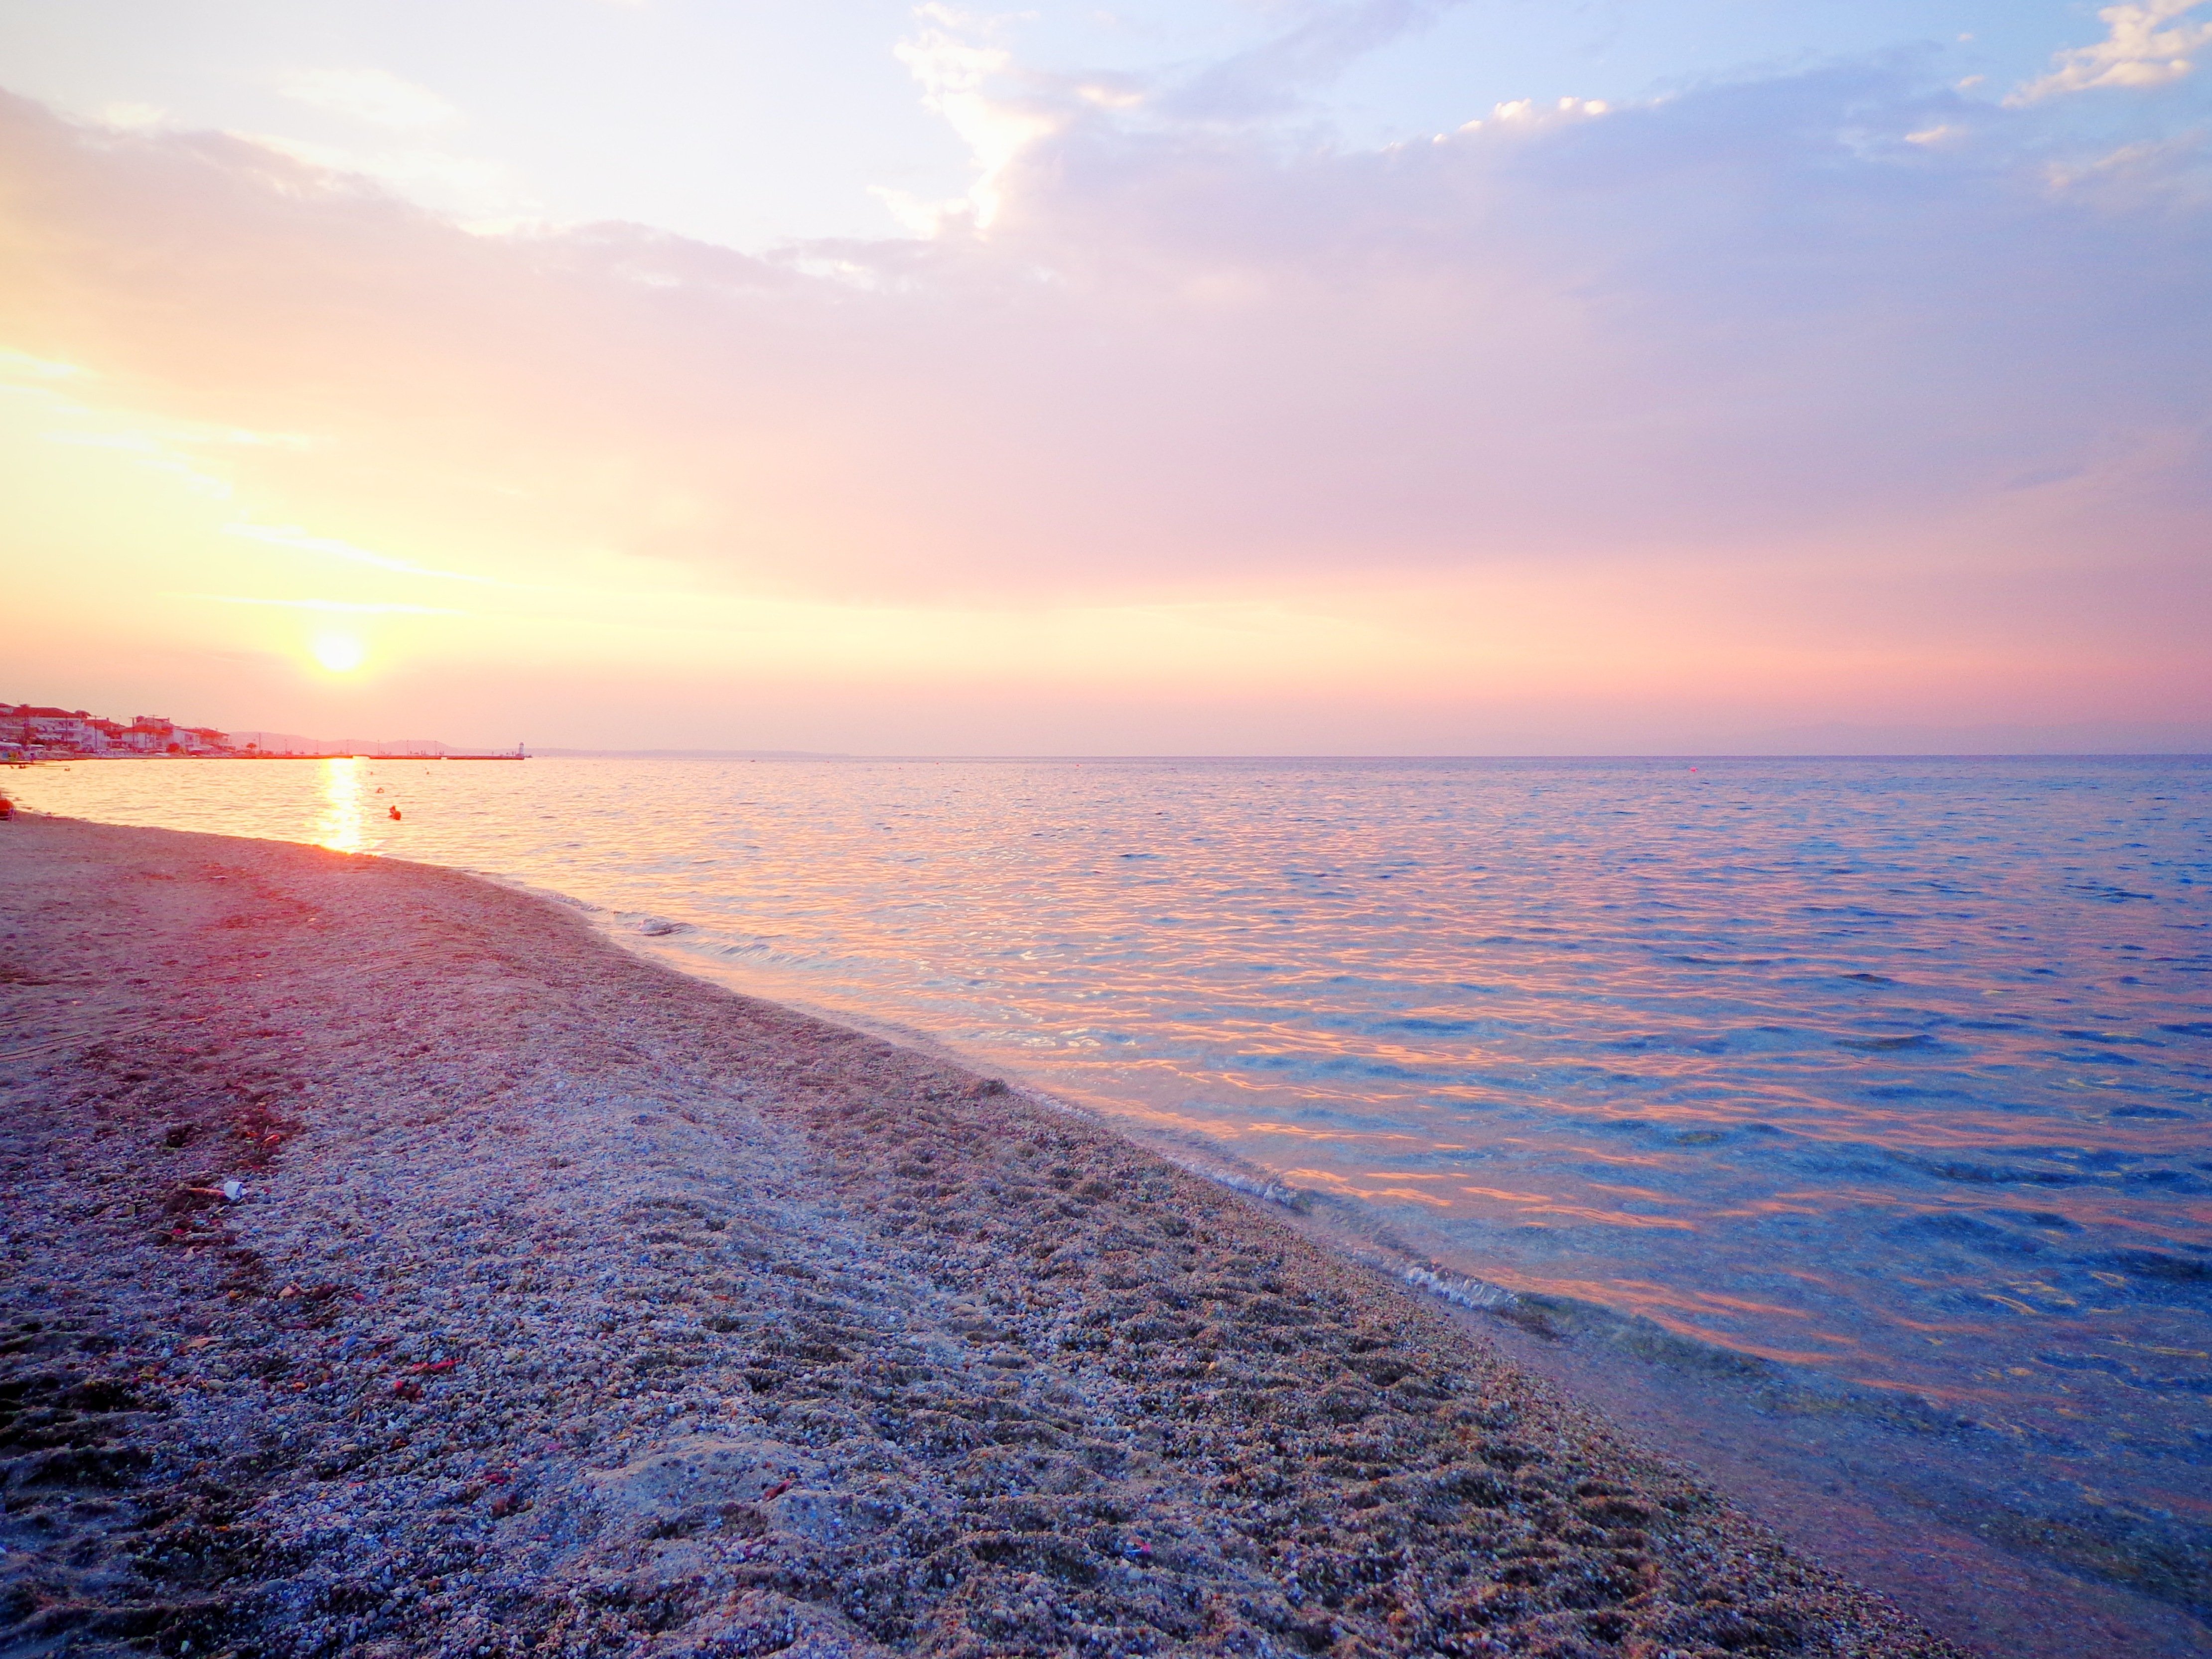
393, 1266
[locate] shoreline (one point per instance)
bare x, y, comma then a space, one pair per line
572, 1304
1971, 1545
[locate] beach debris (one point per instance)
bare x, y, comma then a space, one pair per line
778, 1490
180, 1134
406, 1387
432, 1367
233, 1190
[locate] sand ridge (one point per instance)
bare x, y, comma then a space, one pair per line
571, 1306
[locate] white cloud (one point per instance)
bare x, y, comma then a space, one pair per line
1527, 111
370, 95
150, 452
955, 72
2149, 171
292, 536
133, 118
2146, 45
1282, 73
38, 369
347, 606
406, 170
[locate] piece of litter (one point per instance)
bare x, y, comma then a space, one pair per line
233, 1190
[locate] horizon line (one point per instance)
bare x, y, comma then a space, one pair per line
568, 753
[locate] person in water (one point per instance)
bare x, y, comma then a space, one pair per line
395, 812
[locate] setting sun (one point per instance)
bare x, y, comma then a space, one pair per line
341, 653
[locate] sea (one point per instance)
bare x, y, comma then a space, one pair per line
1881, 1085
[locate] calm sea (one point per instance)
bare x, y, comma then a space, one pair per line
1898, 1072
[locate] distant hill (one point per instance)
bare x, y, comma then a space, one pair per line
697, 754
293, 743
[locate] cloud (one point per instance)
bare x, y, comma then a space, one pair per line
14, 364
955, 71
2146, 45
1275, 77
1734, 320
969, 77
370, 95
347, 607
292, 536
133, 115
413, 170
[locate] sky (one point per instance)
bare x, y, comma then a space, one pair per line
1233, 376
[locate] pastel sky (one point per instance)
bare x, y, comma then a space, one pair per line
1231, 376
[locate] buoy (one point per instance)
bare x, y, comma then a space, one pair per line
395, 812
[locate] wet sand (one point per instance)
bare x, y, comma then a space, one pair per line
566, 1305
1877, 1502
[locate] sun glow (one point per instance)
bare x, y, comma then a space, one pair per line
341, 827
341, 653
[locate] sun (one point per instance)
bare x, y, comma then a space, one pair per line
341, 653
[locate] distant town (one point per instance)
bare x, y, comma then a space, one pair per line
32, 732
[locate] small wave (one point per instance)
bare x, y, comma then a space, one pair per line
1475, 1293
2156, 1264
1263, 1187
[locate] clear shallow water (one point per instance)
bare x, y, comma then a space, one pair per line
1897, 1071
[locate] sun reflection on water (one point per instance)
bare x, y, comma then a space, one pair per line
340, 827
